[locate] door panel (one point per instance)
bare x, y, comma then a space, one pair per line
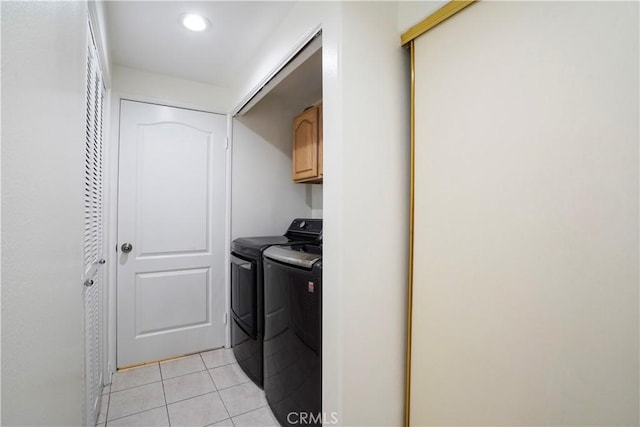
173, 195
171, 208
170, 300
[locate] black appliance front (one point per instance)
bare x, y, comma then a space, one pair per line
247, 300
246, 327
293, 342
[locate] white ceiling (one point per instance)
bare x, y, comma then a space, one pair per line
147, 35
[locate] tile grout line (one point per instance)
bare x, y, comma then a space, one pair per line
219, 366
136, 386
166, 404
187, 398
266, 405
188, 373
216, 387
136, 413
235, 385
131, 388
212, 380
192, 397
212, 424
171, 378
254, 409
106, 413
210, 392
164, 393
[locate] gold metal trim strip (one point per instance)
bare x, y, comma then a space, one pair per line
164, 359
411, 223
440, 15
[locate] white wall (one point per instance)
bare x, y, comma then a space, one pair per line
162, 89
43, 100
525, 306
315, 199
264, 198
412, 12
365, 203
366, 206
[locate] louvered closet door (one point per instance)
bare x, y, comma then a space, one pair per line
93, 230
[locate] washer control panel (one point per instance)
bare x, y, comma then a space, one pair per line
306, 225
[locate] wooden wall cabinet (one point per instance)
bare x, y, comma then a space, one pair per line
307, 146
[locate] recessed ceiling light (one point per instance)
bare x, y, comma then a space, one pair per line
194, 22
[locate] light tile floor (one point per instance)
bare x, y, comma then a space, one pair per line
206, 389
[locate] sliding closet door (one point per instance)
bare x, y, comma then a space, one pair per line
525, 285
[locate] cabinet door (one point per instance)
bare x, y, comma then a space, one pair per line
305, 145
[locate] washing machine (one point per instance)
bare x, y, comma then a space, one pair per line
293, 332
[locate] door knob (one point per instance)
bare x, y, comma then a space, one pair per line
126, 247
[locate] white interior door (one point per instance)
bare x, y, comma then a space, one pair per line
171, 207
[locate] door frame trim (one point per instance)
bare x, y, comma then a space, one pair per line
112, 154
227, 240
